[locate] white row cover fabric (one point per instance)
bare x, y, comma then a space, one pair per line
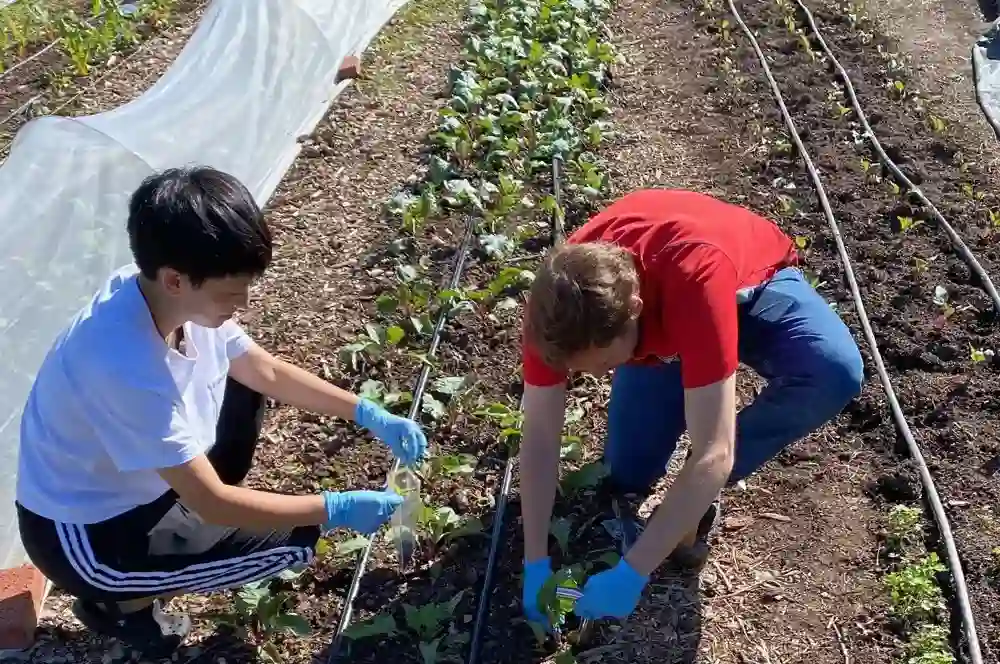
254, 76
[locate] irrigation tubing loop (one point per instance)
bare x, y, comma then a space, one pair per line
963, 250
940, 516
418, 394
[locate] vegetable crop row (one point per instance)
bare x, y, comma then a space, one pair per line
915, 598
528, 91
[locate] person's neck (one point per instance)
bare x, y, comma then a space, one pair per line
166, 319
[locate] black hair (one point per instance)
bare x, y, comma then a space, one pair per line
199, 221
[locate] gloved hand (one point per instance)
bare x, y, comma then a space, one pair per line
536, 574
403, 436
613, 593
361, 511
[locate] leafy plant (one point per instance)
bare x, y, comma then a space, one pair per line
913, 592
929, 645
262, 613
371, 345
586, 477
509, 420
560, 530
905, 526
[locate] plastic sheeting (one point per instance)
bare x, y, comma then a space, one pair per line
252, 78
986, 68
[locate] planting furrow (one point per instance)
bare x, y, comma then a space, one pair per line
897, 412
414, 413
527, 93
894, 321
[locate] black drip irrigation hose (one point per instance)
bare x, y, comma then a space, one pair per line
940, 517
960, 247
418, 393
483, 609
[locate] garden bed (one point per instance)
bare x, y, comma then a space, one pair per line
800, 570
61, 57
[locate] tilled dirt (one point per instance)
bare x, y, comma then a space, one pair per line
794, 575
47, 85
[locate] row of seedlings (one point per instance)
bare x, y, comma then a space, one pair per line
530, 90
931, 322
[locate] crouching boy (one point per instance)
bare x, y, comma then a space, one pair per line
671, 290
144, 417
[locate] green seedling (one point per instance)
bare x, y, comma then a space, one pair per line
454, 391
978, 355
913, 592
510, 421
929, 645
905, 527
410, 299
376, 391
936, 124
586, 477
560, 529
371, 345
461, 465
260, 613
906, 224
413, 211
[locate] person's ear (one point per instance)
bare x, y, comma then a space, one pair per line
634, 306
171, 281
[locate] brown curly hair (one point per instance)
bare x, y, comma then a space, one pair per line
580, 299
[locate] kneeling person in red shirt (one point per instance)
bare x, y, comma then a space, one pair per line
672, 289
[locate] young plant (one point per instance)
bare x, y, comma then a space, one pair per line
560, 529
510, 421
905, 527
585, 477
913, 591
376, 391
371, 345
261, 613
454, 391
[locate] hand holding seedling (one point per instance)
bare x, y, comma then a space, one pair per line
403, 436
536, 574
611, 594
361, 511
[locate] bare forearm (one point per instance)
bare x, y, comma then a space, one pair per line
687, 499
297, 387
539, 477
240, 507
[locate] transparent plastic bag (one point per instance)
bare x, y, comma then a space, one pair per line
406, 483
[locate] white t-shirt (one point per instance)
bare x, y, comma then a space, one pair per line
112, 402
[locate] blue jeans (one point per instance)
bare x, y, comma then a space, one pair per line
791, 337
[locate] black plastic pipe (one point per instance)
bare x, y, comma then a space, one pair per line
960, 247
418, 394
483, 609
897, 413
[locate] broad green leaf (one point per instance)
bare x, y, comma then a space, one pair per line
380, 625
560, 530
351, 546
294, 623
394, 334
587, 477
433, 407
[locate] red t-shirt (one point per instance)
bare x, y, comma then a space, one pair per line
693, 253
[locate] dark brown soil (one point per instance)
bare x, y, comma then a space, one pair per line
949, 400
798, 552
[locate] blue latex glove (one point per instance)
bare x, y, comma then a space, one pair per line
536, 573
361, 511
403, 436
613, 593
